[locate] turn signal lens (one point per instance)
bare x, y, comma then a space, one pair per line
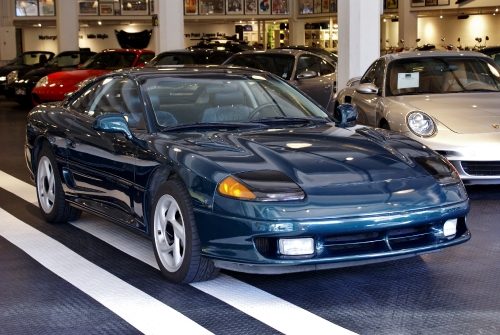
232, 188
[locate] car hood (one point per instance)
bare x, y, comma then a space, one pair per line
463, 113
73, 77
316, 156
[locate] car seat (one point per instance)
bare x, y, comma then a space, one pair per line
228, 106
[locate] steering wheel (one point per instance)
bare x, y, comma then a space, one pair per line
258, 109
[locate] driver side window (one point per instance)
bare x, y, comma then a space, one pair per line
375, 74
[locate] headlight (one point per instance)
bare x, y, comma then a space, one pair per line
42, 82
421, 124
3, 78
12, 76
261, 186
440, 169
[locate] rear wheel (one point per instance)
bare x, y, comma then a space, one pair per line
49, 190
175, 237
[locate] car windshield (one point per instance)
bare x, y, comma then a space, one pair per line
30, 59
442, 75
69, 59
278, 64
177, 59
109, 61
215, 99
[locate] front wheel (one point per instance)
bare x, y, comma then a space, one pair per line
175, 237
49, 190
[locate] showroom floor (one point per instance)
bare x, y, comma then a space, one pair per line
94, 277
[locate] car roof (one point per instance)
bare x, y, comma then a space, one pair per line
137, 51
195, 50
274, 51
432, 53
175, 70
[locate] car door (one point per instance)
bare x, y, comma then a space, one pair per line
368, 104
319, 88
103, 164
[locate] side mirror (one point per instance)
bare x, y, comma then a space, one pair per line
307, 74
367, 88
345, 113
112, 123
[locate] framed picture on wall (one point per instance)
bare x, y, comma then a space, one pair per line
280, 6
431, 2
417, 3
392, 4
87, 8
325, 7
443, 2
209, 7
46, 8
133, 7
317, 6
333, 6
306, 7
264, 6
234, 7
191, 7
250, 6
106, 8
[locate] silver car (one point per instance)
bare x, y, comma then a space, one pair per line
311, 73
449, 101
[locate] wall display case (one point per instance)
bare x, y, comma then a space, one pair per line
321, 35
280, 7
106, 9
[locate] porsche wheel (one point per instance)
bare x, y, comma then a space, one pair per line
175, 237
49, 190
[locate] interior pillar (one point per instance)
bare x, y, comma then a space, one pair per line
67, 26
359, 37
169, 34
296, 27
7, 32
408, 24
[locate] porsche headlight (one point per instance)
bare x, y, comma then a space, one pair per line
3, 78
12, 76
42, 82
421, 124
440, 169
264, 185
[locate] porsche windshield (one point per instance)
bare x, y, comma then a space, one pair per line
109, 61
202, 99
442, 75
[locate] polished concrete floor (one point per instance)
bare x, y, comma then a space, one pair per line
93, 277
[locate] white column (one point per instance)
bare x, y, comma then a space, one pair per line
7, 31
408, 24
296, 27
359, 37
67, 25
169, 34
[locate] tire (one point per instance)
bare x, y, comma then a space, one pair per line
49, 191
175, 238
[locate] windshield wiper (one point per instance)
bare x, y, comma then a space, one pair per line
212, 125
289, 119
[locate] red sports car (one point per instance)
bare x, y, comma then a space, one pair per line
54, 86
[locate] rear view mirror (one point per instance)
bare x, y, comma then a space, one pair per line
112, 123
307, 74
367, 88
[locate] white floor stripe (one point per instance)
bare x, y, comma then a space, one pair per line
143, 312
18, 187
273, 311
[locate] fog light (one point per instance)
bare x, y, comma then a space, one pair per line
296, 246
450, 228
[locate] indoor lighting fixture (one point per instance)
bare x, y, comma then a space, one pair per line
39, 24
385, 20
99, 23
440, 16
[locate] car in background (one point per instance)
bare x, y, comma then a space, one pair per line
493, 52
54, 86
332, 56
311, 73
236, 169
228, 45
190, 57
26, 60
20, 83
446, 100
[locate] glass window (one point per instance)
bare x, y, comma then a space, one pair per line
27, 8
325, 68
307, 63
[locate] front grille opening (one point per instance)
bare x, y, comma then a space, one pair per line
266, 246
355, 244
479, 168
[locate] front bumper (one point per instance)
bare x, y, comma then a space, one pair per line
252, 246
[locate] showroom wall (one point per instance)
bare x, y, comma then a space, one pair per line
432, 29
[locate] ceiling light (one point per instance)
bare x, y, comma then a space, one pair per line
99, 23
440, 16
